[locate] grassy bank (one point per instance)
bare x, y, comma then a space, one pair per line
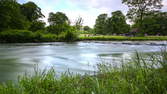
123, 38
137, 77
25, 36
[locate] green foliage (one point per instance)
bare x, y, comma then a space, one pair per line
154, 23
24, 36
116, 24
16, 36
10, 16
138, 8
57, 29
58, 18
140, 76
37, 25
68, 36
100, 24
87, 28
59, 25
31, 11
122, 38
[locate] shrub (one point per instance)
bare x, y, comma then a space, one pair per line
68, 36
36, 26
58, 29
24, 36
16, 36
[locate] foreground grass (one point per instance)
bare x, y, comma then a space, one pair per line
139, 76
123, 38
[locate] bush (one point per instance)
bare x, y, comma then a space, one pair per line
50, 38
58, 29
12, 36
68, 36
36, 26
24, 36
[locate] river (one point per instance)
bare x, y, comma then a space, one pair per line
78, 57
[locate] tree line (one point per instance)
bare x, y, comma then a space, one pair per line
23, 20
146, 16
21, 23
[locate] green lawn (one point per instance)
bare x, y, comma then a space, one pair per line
121, 38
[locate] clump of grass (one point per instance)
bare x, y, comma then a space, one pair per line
142, 75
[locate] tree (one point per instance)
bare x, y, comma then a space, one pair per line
154, 23
58, 29
10, 15
79, 23
87, 28
58, 18
31, 11
100, 24
116, 24
37, 25
58, 23
138, 8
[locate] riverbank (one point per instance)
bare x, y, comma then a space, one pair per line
25, 36
136, 77
122, 38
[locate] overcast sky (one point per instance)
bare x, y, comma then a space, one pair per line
87, 9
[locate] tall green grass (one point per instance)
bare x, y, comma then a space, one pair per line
141, 75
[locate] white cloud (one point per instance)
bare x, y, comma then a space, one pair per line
165, 5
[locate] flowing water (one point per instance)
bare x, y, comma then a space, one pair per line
79, 57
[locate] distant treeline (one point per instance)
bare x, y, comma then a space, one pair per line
20, 23
154, 23
16, 19
145, 16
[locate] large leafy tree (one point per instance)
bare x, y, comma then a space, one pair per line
116, 24
10, 15
87, 28
100, 24
31, 11
58, 18
155, 23
58, 23
138, 8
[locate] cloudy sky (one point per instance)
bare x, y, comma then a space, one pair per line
87, 9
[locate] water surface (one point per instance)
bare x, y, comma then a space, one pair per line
79, 57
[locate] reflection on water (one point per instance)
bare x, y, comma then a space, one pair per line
80, 57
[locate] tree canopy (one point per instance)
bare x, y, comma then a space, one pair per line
138, 8
16, 16
154, 23
58, 18
116, 24
100, 24
31, 11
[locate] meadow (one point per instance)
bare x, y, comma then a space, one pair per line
121, 38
